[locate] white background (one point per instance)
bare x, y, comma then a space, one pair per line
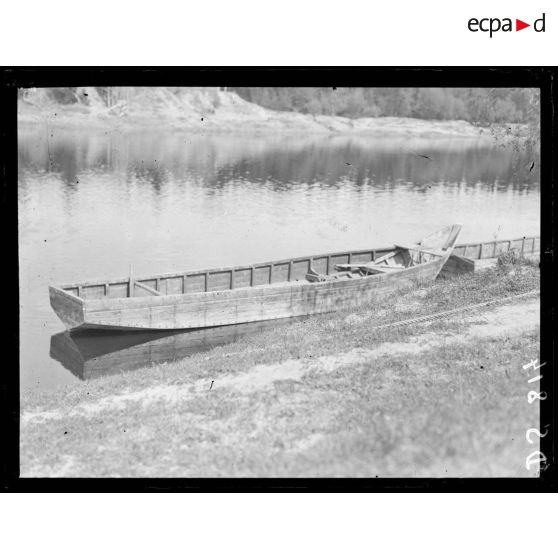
286, 32
276, 526
290, 32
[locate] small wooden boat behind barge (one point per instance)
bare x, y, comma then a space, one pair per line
243, 294
471, 258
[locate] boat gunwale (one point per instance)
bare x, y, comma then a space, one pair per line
241, 267
198, 272
103, 304
62, 291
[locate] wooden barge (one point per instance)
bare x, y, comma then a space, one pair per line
243, 294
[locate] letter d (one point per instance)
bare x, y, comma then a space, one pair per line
541, 30
533, 458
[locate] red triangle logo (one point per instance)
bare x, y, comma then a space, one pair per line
519, 25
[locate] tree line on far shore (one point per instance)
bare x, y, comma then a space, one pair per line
482, 106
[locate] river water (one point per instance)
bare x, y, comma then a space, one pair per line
91, 204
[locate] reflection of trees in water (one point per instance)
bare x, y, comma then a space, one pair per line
64, 154
383, 169
276, 163
151, 173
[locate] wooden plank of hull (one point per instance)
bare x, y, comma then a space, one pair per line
251, 304
68, 308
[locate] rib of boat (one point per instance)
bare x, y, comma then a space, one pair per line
264, 291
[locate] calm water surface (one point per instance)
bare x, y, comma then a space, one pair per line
91, 204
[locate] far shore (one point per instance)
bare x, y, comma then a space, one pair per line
225, 120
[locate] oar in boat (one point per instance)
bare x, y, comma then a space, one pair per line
372, 262
419, 248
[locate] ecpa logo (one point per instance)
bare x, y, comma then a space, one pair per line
494, 24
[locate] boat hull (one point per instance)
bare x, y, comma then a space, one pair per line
243, 305
68, 308
260, 292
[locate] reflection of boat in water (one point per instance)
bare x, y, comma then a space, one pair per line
92, 354
253, 293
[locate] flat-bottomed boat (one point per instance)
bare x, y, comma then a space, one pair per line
265, 291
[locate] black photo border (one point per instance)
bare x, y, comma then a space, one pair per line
12, 78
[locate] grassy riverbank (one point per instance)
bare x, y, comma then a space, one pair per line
213, 111
328, 396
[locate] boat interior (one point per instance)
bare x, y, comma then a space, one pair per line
400, 258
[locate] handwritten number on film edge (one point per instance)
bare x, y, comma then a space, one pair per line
537, 456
